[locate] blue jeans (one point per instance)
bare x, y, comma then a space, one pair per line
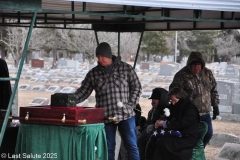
207, 118
128, 135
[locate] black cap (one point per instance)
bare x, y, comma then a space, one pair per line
156, 94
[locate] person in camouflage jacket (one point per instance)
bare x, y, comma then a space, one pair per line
200, 85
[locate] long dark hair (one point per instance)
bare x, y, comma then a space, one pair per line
178, 92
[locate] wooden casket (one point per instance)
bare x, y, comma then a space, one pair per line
72, 116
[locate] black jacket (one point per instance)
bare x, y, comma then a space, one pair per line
156, 114
5, 86
184, 117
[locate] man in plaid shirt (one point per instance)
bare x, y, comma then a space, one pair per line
117, 90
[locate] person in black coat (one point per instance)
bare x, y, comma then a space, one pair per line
184, 117
159, 103
10, 135
5, 86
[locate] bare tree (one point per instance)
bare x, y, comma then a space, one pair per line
78, 41
129, 44
15, 38
71, 40
84, 41
226, 46
14, 41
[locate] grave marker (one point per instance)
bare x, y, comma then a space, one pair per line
230, 151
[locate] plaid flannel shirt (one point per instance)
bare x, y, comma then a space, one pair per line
120, 85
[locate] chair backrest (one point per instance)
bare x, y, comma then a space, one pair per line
198, 151
203, 128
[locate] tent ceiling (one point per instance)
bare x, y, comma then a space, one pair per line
128, 15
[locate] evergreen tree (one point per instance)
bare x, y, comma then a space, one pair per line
203, 42
154, 43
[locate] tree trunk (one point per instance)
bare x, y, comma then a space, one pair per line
91, 61
28, 57
3, 54
55, 58
161, 58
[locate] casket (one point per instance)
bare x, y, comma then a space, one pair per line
71, 116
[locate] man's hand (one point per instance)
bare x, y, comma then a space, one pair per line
215, 112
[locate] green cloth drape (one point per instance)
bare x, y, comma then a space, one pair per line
84, 142
198, 151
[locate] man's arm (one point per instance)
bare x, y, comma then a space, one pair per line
214, 92
85, 90
178, 81
214, 96
135, 88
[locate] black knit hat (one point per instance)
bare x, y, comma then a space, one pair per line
104, 50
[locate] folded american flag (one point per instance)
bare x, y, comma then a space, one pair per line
160, 132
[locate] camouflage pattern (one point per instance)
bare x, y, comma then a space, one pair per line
201, 88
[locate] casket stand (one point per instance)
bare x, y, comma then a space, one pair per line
52, 132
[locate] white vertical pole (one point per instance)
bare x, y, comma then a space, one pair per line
175, 59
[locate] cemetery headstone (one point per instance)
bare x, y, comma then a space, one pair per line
144, 65
223, 65
218, 140
236, 98
232, 71
230, 151
166, 70
62, 62
239, 75
36, 55
151, 63
79, 57
225, 90
214, 65
72, 64
37, 63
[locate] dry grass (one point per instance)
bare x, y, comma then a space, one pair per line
211, 152
221, 128
227, 127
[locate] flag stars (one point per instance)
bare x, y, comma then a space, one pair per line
162, 131
155, 133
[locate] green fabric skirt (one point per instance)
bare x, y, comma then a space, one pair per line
84, 142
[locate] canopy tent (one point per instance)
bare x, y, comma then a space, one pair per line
126, 15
